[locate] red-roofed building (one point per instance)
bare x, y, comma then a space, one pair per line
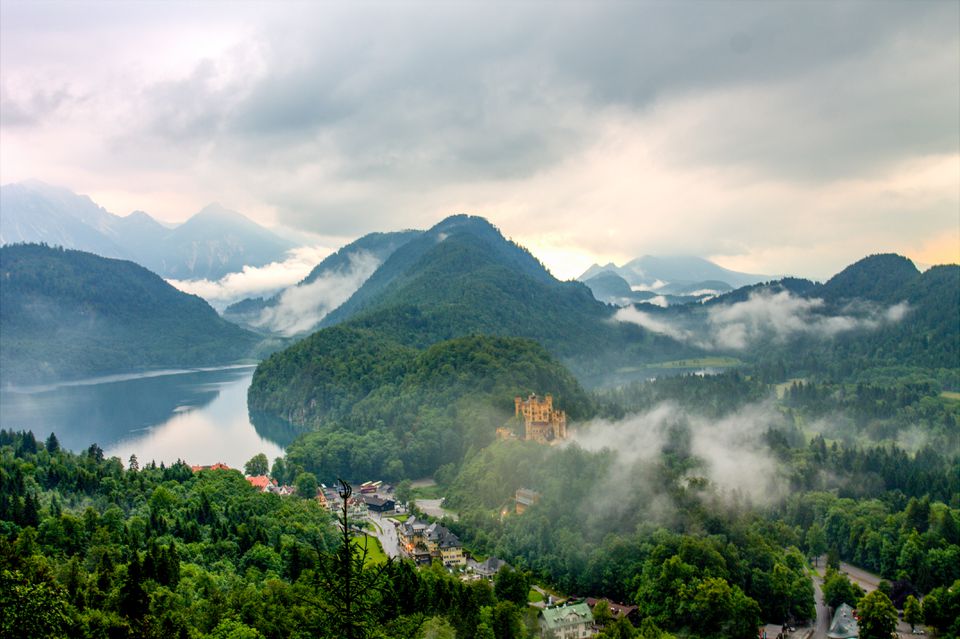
262, 482
617, 610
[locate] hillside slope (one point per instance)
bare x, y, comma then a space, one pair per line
370, 407
462, 277
67, 314
299, 308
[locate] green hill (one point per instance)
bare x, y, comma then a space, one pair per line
374, 407
68, 314
462, 277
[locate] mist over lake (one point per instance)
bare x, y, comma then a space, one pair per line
198, 416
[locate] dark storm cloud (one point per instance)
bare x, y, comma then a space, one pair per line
349, 118
420, 96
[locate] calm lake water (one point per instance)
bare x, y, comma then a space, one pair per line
197, 416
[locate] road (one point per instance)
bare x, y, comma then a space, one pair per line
432, 508
386, 532
823, 613
866, 580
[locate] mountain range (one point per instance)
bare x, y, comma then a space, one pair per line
462, 278
212, 243
68, 314
679, 276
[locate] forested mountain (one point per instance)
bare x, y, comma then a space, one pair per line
610, 288
372, 406
212, 243
67, 313
879, 278
879, 312
462, 277
349, 266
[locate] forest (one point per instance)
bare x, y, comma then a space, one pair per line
89, 548
67, 314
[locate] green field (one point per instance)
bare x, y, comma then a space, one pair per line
950, 395
534, 596
375, 554
427, 492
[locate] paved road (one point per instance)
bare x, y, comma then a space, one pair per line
868, 581
432, 508
823, 613
386, 532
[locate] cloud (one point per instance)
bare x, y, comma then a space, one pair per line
730, 450
631, 315
255, 281
781, 316
763, 317
300, 308
607, 128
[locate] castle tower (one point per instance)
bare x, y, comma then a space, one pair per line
541, 422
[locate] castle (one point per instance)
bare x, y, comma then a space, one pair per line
541, 423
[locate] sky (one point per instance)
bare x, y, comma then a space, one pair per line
774, 137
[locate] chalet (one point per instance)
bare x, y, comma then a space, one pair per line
844, 624
379, 504
566, 622
525, 498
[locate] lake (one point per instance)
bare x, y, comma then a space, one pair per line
199, 416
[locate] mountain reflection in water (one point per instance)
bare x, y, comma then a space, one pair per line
198, 416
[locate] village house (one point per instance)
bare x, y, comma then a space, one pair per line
490, 567
379, 504
525, 498
617, 610
425, 542
573, 621
261, 482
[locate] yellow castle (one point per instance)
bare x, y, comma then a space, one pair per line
540, 421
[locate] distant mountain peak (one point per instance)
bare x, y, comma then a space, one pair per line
217, 210
657, 271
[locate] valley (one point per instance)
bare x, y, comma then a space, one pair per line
699, 456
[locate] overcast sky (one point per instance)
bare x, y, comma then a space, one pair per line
776, 137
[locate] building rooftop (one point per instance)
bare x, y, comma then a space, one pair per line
566, 615
844, 624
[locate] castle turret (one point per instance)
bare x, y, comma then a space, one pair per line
541, 422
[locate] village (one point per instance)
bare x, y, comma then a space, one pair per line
412, 532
